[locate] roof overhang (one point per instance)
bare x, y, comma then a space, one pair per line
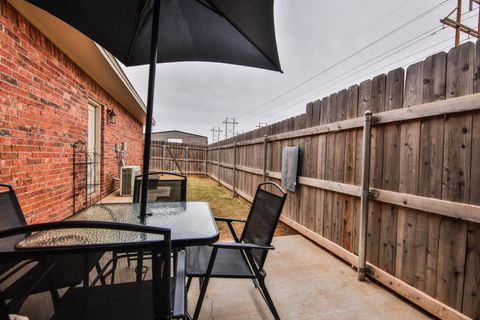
95, 61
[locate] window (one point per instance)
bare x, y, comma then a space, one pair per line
174, 140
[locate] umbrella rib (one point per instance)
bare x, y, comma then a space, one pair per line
209, 6
137, 29
218, 11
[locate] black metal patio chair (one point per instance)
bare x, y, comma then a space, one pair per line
244, 258
65, 272
162, 187
149, 299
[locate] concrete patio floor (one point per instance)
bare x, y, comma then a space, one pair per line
305, 282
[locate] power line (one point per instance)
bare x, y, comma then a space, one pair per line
420, 37
386, 66
318, 93
353, 54
388, 14
371, 63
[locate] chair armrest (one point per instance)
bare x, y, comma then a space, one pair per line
225, 219
230, 226
240, 245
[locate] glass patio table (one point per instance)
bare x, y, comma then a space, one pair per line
191, 224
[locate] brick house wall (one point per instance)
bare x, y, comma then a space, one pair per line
43, 111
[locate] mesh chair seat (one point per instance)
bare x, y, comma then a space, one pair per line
111, 302
108, 302
228, 263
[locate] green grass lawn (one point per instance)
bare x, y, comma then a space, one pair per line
224, 205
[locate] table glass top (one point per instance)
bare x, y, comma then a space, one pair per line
191, 223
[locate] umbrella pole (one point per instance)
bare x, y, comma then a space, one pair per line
150, 98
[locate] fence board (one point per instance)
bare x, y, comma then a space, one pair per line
390, 176
411, 236
431, 160
471, 294
321, 167
453, 233
338, 170
349, 217
374, 212
309, 168
331, 114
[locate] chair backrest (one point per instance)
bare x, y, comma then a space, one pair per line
108, 299
263, 219
162, 187
11, 214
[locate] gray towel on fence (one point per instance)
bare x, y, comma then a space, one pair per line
290, 167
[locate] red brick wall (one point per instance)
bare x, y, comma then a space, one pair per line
43, 111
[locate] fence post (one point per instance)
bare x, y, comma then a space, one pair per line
186, 162
234, 169
206, 163
265, 143
218, 165
164, 157
362, 243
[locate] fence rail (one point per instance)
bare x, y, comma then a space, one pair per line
423, 229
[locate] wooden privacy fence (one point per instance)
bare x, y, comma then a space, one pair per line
178, 157
423, 230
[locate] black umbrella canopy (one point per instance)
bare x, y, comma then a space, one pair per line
227, 31
153, 31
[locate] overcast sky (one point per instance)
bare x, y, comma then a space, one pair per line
312, 36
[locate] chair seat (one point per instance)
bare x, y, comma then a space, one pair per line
228, 263
65, 273
108, 302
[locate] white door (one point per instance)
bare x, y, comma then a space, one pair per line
92, 147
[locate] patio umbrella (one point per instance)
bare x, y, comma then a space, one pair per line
140, 32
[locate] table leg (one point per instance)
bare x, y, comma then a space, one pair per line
140, 266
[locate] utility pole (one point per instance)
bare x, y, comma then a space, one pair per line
213, 134
215, 131
229, 127
457, 23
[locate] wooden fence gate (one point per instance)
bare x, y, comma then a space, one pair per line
178, 157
